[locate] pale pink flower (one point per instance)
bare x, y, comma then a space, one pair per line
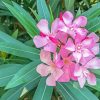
46, 38
83, 74
68, 66
49, 68
73, 28
85, 48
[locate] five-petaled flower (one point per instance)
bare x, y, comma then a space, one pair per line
49, 68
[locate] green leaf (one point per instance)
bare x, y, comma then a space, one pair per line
7, 71
23, 17
51, 15
54, 4
11, 93
82, 93
25, 74
94, 25
96, 71
17, 50
43, 92
78, 13
93, 12
29, 43
69, 4
16, 93
64, 92
15, 47
15, 34
35, 14
43, 10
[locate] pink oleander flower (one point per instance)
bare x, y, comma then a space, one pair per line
73, 28
68, 66
46, 38
83, 74
49, 68
88, 47
68, 53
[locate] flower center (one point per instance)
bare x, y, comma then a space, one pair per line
79, 47
53, 65
71, 28
66, 61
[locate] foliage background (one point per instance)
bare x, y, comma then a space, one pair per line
11, 26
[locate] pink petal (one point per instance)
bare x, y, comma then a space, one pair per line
40, 41
54, 40
50, 81
80, 34
51, 47
43, 69
91, 79
57, 73
64, 78
66, 75
72, 70
77, 56
80, 21
94, 36
59, 64
93, 64
70, 45
56, 57
62, 27
72, 33
95, 49
88, 43
81, 81
45, 57
78, 70
84, 61
62, 37
81, 31
57, 60
67, 18
63, 52
54, 26
71, 58
43, 26
86, 53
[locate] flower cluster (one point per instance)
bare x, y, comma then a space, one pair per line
68, 50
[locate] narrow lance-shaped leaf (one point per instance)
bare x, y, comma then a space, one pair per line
66, 94
17, 92
43, 10
80, 94
54, 4
43, 91
16, 50
69, 4
94, 25
7, 71
24, 75
15, 47
92, 12
24, 18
